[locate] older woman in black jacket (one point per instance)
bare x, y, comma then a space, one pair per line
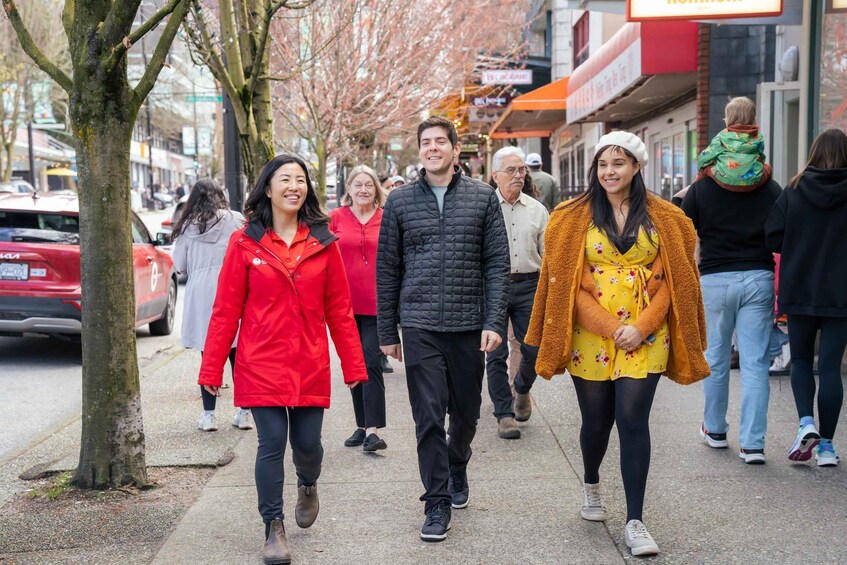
806, 225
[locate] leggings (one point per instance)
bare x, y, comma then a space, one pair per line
209, 399
801, 338
275, 425
626, 402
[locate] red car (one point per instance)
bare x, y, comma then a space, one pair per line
39, 269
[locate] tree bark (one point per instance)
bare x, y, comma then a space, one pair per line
6, 168
112, 447
321, 153
102, 116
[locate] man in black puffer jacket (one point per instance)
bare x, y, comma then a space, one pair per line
443, 276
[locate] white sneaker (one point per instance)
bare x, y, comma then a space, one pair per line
592, 503
207, 422
241, 420
782, 360
638, 539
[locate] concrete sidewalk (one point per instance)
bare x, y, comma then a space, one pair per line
702, 505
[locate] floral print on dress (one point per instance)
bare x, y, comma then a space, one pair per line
602, 357
576, 358
620, 287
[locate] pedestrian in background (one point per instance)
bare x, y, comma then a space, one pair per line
283, 280
525, 219
636, 314
548, 188
729, 203
356, 224
807, 226
442, 275
201, 237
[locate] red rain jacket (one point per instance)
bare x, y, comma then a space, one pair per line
283, 348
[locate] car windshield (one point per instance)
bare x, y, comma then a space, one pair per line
39, 227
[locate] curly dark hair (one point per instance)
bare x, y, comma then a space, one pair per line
204, 201
258, 206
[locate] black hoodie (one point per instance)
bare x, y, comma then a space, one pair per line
808, 226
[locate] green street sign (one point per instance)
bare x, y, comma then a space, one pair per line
204, 98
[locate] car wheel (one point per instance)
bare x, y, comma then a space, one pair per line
165, 324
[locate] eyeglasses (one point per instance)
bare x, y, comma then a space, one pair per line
512, 170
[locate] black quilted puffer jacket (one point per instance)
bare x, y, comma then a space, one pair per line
442, 272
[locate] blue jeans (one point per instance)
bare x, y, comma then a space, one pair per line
740, 301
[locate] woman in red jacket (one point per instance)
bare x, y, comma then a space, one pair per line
356, 224
283, 282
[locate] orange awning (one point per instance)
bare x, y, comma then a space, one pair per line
534, 114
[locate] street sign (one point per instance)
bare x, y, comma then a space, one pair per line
507, 76
204, 98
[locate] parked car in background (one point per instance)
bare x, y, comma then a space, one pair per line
40, 289
331, 195
17, 186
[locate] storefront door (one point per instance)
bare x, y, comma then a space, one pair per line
779, 123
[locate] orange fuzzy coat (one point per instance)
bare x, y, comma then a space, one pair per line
563, 296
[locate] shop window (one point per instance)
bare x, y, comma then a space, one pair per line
565, 176
678, 164
580, 40
580, 184
692, 153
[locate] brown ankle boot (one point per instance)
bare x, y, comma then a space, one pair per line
307, 506
276, 550
523, 407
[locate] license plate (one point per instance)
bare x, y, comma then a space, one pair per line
14, 271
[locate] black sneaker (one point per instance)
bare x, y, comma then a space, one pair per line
715, 441
386, 366
356, 439
437, 523
373, 443
457, 486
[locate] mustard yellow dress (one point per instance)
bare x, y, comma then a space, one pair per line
620, 281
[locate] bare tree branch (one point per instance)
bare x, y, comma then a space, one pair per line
151, 73
211, 56
231, 45
127, 41
118, 22
31, 49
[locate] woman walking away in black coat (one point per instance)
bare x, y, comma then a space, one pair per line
807, 226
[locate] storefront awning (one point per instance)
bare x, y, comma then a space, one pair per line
641, 68
534, 114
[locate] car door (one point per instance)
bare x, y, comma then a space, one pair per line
145, 271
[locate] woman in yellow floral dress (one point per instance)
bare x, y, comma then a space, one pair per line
620, 343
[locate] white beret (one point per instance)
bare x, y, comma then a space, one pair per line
626, 140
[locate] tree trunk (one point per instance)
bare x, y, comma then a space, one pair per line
6, 171
320, 185
257, 134
112, 445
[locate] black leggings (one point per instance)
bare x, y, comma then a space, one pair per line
626, 402
801, 337
209, 399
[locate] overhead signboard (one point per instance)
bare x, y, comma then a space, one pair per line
836, 6
507, 76
650, 10
491, 101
